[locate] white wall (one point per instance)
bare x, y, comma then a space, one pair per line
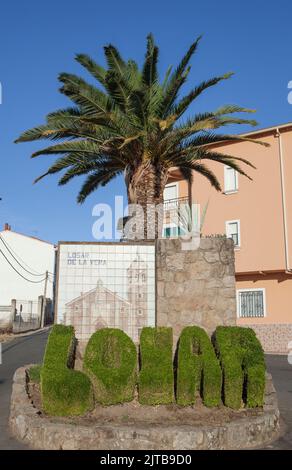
36, 256
5, 317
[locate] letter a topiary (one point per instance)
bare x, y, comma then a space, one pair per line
111, 362
242, 360
156, 383
198, 368
65, 392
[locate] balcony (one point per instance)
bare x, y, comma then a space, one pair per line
173, 204
175, 216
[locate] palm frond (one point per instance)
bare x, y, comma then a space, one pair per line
208, 138
149, 72
184, 103
166, 78
181, 68
67, 161
45, 131
92, 67
114, 60
228, 160
74, 170
232, 108
94, 180
187, 173
92, 100
178, 78
207, 173
77, 146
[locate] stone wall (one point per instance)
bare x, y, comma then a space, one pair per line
195, 287
257, 429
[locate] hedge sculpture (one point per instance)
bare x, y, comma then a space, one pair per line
65, 392
198, 368
110, 366
111, 362
156, 380
243, 365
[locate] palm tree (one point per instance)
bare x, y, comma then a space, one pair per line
132, 123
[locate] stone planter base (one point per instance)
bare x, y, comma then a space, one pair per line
41, 432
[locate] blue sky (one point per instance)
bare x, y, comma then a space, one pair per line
39, 40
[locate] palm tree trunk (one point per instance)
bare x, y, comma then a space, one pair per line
145, 188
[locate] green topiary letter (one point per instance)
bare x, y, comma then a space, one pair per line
65, 392
198, 368
156, 383
111, 362
242, 360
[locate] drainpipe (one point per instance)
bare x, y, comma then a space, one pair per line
283, 195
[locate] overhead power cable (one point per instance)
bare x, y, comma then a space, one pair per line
28, 280
13, 254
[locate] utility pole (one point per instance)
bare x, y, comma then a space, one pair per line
44, 301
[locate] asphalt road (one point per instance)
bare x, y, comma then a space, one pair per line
29, 349
281, 372
21, 351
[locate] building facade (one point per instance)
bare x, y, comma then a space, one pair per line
257, 216
24, 261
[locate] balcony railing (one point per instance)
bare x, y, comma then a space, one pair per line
170, 204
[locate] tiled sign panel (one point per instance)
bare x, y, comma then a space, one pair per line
106, 285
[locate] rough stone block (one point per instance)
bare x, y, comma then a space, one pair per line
199, 285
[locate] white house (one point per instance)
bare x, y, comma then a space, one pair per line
24, 261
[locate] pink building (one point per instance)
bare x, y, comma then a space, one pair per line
257, 215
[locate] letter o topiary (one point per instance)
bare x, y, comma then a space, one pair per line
111, 363
198, 368
65, 392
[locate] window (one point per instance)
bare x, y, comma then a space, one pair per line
233, 231
170, 192
251, 303
169, 232
172, 231
230, 180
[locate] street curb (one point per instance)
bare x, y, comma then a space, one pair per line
42, 432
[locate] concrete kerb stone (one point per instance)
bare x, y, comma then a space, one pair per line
41, 432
